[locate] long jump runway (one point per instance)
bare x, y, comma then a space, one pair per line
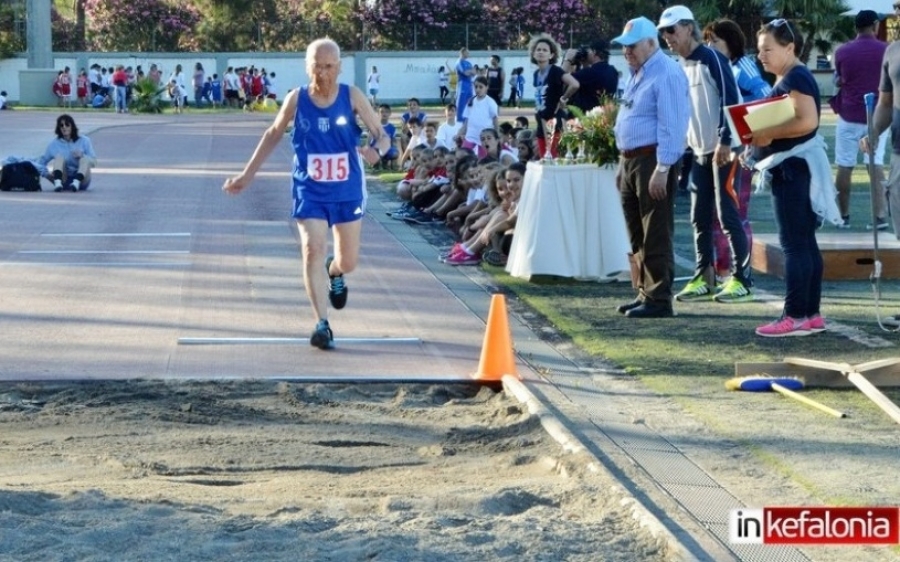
155, 273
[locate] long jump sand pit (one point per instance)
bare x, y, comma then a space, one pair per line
265, 470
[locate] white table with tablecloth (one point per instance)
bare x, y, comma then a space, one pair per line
570, 224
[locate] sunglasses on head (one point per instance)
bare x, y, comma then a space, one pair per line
774, 24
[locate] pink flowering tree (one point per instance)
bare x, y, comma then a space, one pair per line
423, 24
141, 25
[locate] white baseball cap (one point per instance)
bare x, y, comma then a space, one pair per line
673, 15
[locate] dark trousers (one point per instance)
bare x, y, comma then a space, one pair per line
708, 198
796, 223
512, 102
651, 227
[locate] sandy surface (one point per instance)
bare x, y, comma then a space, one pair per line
152, 470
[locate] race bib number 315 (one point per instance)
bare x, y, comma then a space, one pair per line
328, 167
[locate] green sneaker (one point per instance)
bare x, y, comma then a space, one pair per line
697, 289
733, 291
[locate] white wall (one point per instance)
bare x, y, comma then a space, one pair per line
403, 74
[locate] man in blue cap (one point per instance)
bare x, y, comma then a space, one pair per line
650, 130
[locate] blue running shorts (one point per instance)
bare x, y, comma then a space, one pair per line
334, 213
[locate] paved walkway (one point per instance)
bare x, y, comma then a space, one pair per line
113, 282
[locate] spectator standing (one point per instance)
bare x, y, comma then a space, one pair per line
178, 76
3, 100
552, 88
887, 116
496, 80
465, 73
155, 74
94, 79
373, 83
726, 37
802, 191
215, 93
197, 81
120, 82
712, 88
481, 112
857, 70
443, 84
272, 89
65, 88
650, 130
106, 87
81, 88
232, 87
596, 77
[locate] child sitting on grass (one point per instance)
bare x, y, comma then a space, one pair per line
427, 194
494, 239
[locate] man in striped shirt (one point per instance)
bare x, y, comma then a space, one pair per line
650, 130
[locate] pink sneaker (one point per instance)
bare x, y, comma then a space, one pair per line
463, 258
814, 324
784, 327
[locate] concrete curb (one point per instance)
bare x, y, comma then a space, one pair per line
571, 444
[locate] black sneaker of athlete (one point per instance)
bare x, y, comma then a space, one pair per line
337, 290
322, 336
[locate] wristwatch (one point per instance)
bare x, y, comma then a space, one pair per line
378, 150
662, 168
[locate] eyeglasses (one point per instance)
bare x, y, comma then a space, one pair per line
774, 24
668, 30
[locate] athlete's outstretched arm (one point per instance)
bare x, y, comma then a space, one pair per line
267, 144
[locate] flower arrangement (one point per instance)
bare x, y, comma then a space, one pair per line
591, 136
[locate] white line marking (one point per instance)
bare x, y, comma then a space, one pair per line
117, 252
233, 341
95, 264
184, 172
115, 234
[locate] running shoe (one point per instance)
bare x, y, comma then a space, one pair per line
463, 258
322, 337
880, 224
815, 324
447, 253
733, 291
783, 327
418, 217
697, 289
337, 291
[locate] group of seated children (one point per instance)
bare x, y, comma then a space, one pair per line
476, 198
474, 191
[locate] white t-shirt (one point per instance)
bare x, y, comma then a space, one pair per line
446, 132
373, 81
479, 116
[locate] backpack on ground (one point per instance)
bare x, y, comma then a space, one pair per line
20, 176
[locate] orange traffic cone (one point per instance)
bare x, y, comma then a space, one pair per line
497, 357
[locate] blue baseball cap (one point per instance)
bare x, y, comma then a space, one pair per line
636, 30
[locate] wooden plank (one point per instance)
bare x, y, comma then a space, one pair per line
872, 393
845, 255
885, 376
